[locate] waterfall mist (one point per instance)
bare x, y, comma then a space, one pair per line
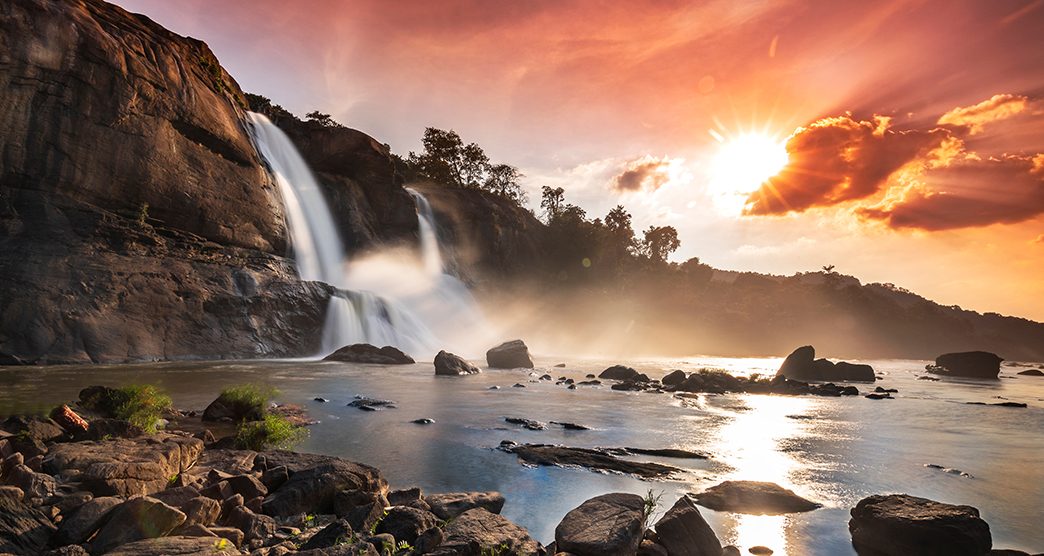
399, 296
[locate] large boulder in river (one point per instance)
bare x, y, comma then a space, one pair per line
802, 365
606, 525
509, 355
137, 221
753, 497
971, 364
620, 372
684, 532
367, 353
901, 525
448, 364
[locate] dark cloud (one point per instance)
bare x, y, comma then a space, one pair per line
840, 159
969, 193
643, 174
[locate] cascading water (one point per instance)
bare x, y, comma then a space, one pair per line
386, 299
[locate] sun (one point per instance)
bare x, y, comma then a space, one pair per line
742, 164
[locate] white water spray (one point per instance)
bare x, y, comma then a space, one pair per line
394, 298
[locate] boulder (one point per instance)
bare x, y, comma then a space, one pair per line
684, 532
674, 378
1031, 372
753, 497
227, 408
509, 355
312, 490
450, 505
125, 467
69, 420
620, 372
248, 486
361, 509
406, 524
404, 497
334, 533
900, 524
448, 364
80, 525
23, 529
136, 519
201, 510
367, 353
477, 531
590, 458
802, 365
971, 364
176, 546
254, 526
607, 525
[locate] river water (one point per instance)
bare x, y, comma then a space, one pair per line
832, 450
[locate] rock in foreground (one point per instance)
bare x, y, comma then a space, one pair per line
753, 497
478, 532
607, 525
509, 355
368, 353
903, 525
684, 532
448, 364
970, 364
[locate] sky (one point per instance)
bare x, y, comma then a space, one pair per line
900, 141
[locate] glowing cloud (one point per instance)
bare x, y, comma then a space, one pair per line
995, 108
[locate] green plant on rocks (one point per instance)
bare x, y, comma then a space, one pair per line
652, 501
141, 405
272, 431
247, 401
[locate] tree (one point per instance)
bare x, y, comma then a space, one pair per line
502, 179
324, 120
551, 200
474, 164
828, 268
659, 242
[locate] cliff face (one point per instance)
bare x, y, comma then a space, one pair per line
136, 221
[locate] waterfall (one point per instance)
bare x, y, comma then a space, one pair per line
391, 298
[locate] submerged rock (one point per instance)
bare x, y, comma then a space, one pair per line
900, 525
607, 525
590, 458
753, 497
509, 355
368, 353
527, 423
970, 364
448, 364
371, 404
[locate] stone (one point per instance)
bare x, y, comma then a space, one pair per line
69, 420
448, 364
68, 550
674, 378
201, 510
176, 546
361, 509
275, 477
450, 505
232, 409
254, 526
136, 519
590, 458
900, 524
753, 497
970, 364
650, 548
406, 524
248, 486
176, 497
33, 484
513, 354
621, 373
684, 532
332, 534
367, 353
1031, 372
78, 527
478, 531
802, 365
12, 493
404, 497
760, 550
528, 424
606, 525
23, 529
194, 530
233, 535
125, 467
311, 490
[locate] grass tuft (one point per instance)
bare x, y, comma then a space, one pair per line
273, 431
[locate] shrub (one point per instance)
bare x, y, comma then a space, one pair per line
273, 431
141, 405
247, 401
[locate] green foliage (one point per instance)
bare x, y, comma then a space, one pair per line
498, 550
659, 242
213, 71
273, 431
143, 214
652, 501
447, 160
321, 119
248, 400
141, 405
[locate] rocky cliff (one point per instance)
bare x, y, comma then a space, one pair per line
136, 221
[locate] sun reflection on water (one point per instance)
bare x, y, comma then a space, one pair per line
751, 446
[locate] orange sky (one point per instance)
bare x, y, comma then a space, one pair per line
943, 199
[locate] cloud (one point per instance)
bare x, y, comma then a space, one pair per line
995, 108
1040, 239
840, 159
968, 193
644, 174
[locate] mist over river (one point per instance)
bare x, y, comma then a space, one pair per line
832, 450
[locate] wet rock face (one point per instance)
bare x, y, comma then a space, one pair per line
448, 364
971, 364
899, 524
136, 221
509, 355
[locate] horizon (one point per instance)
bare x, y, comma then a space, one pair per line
946, 198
